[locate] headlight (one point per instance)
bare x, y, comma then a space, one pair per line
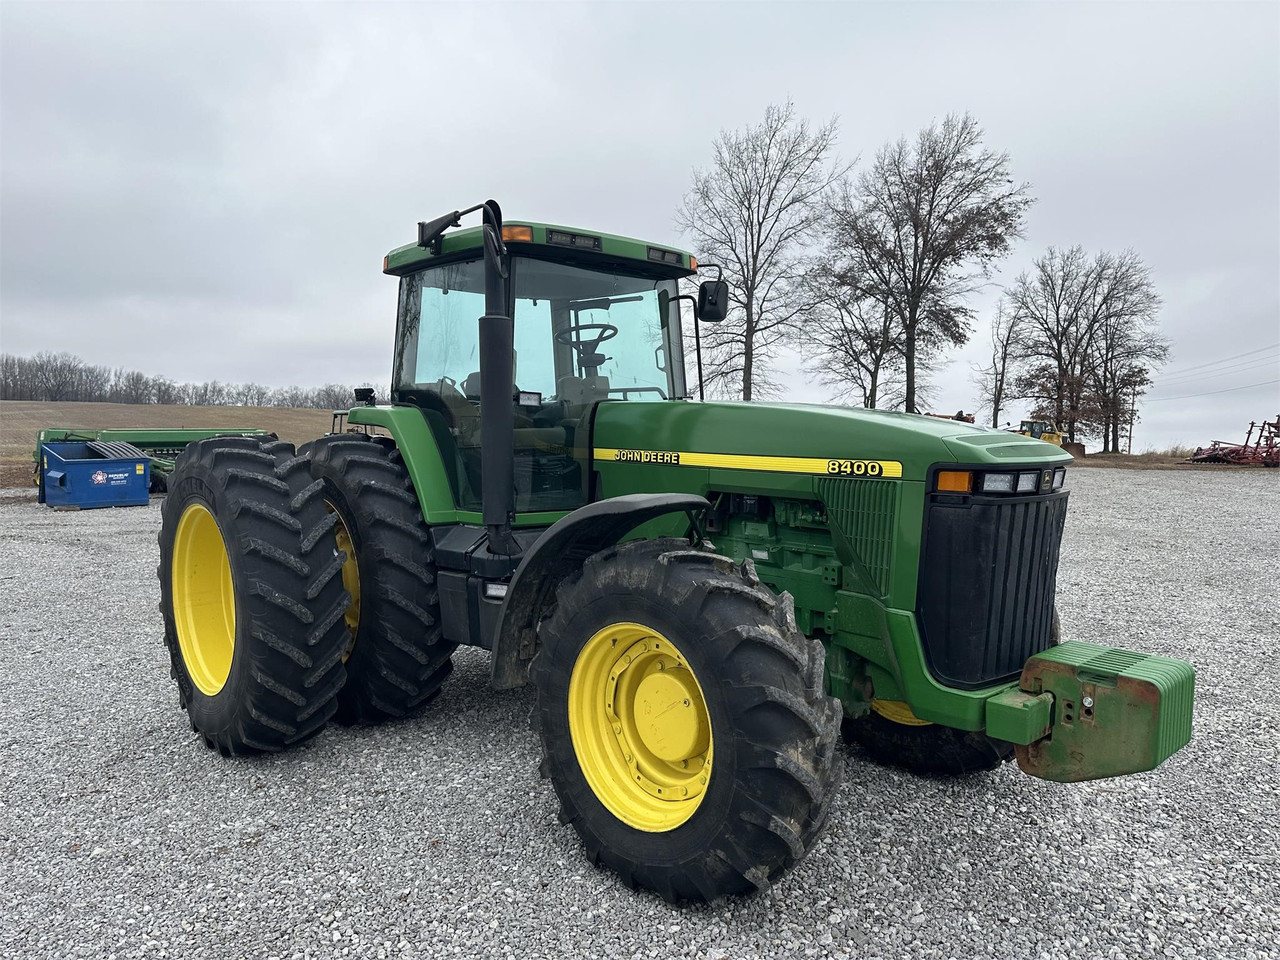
1059, 478
1027, 482
998, 482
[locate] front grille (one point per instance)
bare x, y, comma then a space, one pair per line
987, 578
866, 513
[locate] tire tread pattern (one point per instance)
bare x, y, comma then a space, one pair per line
276, 695
400, 659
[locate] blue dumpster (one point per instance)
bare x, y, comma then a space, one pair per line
86, 475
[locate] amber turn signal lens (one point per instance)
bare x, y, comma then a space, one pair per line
955, 481
693, 263
517, 234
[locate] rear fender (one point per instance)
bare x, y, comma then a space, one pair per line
417, 444
555, 555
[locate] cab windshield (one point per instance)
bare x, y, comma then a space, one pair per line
581, 337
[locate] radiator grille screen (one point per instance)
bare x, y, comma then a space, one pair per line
866, 512
987, 578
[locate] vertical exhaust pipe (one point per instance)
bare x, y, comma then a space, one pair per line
497, 385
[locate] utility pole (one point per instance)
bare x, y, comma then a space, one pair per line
1133, 415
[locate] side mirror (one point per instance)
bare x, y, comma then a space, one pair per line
713, 301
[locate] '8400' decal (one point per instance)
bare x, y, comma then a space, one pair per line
855, 468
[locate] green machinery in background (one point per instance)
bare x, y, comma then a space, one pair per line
701, 593
161, 445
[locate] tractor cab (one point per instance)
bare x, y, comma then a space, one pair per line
586, 330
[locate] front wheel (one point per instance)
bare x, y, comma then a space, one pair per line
683, 721
892, 735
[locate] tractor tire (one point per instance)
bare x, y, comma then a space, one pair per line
924, 748
893, 736
397, 657
251, 595
707, 670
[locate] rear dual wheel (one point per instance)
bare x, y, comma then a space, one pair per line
683, 721
251, 595
396, 657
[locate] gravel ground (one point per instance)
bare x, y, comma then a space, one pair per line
121, 836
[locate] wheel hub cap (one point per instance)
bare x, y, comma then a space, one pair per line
668, 719
640, 727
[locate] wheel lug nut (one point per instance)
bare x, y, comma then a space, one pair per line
627, 758
617, 728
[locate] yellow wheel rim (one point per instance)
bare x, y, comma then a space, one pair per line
898, 712
640, 727
204, 599
350, 577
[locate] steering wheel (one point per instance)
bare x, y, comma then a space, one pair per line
580, 343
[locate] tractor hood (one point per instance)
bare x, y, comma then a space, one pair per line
803, 438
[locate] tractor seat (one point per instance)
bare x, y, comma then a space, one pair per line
471, 386
577, 390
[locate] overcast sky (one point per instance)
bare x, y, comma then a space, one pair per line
206, 191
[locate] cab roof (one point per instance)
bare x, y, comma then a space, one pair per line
571, 244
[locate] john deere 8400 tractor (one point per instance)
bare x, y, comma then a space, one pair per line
700, 592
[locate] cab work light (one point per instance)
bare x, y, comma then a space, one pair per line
565, 239
955, 481
998, 482
517, 234
665, 256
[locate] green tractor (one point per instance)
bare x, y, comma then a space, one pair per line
701, 593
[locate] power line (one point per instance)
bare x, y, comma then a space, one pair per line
1210, 393
1234, 369
1214, 363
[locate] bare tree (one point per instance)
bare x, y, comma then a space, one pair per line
923, 225
334, 396
56, 374
92, 383
292, 396
166, 391
1087, 323
1050, 302
251, 395
1127, 345
993, 378
63, 377
752, 212
851, 342
135, 387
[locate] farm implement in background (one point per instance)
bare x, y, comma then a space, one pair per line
1260, 449
161, 446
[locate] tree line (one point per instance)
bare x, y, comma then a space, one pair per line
53, 377
867, 272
